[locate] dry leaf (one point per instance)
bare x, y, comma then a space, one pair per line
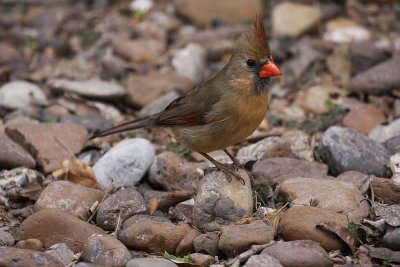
78, 172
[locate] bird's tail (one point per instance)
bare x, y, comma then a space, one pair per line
127, 126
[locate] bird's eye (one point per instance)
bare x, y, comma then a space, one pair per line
251, 63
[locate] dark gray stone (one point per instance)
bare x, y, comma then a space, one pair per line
392, 239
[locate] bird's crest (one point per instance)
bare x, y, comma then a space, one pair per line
258, 27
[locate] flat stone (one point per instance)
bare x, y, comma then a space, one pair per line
299, 253
205, 12
159, 104
300, 223
378, 79
144, 89
237, 238
343, 30
363, 118
49, 143
302, 19
92, 88
331, 195
122, 204
314, 98
364, 55
24, 257
173, 172
383, 133
91, 122
62, 253
219, 202
13, 155
20, 94
261, 261
274, 171
358, 179
152, 234
343, 149
139, 50
53, 227
68, 197
207, 243
150, 262
105, 250
392, 239
125, 164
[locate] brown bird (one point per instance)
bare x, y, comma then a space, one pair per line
224, 110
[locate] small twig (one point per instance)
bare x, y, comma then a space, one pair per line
102, 200
118, 224
279, 211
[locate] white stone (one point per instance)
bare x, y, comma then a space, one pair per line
143, 6
19, 94
125, 164
190, 62
383, 133
345, 31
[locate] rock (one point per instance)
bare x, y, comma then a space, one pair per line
261, 261
300, 144
105, 250
205, 12
92, 123
186, 245
365, 55
40, 139
69, 197
393, 144
343, 30
384, 254
92, 88
142, 6
122, 204
392, 239
274, 171
207, 243
202, 260
19, 185
302, 19
358, 179
13, 156
139, 50
219, 202
173, 172
20, 94
53, 227
339, 64
363, 118
125, 164
150, 262
300, 253
31, 244
389, 213
6, 239
25, 257
235, 239
378, 79
383, 133
314, 98
182, 212
331, 195
386, 190
62, 253
152, 234
159, 104
343, 149
300, 223
144, 89
190, 62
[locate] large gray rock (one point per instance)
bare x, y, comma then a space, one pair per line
219, 202
125, 164
343, 149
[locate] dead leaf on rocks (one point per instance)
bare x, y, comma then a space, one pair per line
343, 233
78, 172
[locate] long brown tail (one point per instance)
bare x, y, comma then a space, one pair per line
127, 126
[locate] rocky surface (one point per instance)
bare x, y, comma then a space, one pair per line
25, 257
13, 155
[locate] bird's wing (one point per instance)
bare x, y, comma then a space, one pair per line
189, 109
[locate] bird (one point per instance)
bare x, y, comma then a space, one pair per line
223, 110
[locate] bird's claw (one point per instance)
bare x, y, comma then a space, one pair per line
229, 170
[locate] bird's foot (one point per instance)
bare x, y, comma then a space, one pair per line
235, 161
230, 170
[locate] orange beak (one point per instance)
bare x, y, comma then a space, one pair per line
269, 70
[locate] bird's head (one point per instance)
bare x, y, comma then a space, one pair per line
252, 59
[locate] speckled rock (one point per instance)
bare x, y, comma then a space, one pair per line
24, 257
344, 150
124, 204
207, 243
125, 164
219, 202
6, 239
69, 197
62, 253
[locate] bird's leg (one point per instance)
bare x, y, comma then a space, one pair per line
235, 161
228, 169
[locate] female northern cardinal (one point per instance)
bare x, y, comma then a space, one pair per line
225, 109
